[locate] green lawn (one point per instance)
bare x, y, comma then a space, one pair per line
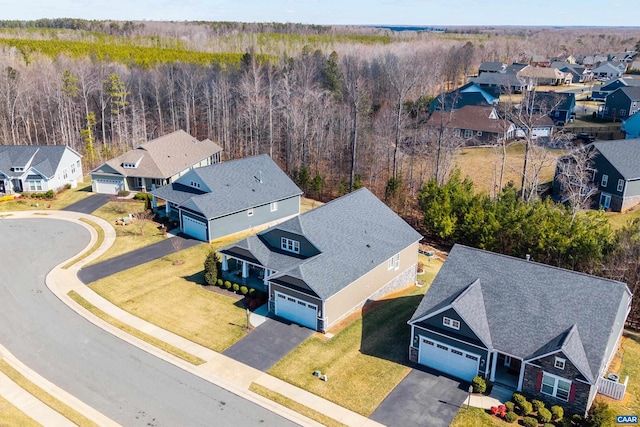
618, 220
630, 366
363, 362
477, 417
61, 200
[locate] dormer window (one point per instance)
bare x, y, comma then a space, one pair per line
290, 245
195, 184
559, 363
17, 169
129, 165
451, 323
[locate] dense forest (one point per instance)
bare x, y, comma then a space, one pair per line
336, 107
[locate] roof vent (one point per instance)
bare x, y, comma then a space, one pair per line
528, 257
259, 177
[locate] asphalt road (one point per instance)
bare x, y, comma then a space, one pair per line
89, 204
126, 384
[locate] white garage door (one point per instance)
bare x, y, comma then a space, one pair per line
194, 228
296, 310
107, 186
448, 359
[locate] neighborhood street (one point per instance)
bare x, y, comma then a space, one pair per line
123, 382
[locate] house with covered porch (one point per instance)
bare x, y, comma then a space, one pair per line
547, 332
321, 266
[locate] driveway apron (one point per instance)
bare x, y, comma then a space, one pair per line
88, 205
423, 398
264, 346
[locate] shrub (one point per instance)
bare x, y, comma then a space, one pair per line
235, 287
67, 186
557, 412
243, 290
479, 384
211, 268
50, 194
252, 292
529, 421
142, 196
548, 425
227, 284
510, 406
499, 411
544, 415
220, 282
537, 404
526, 408
600, 415
511, 417
123, 193
518, 398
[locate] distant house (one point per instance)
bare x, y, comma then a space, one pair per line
617, 165
491, 67
225, 198
475, 124
555, 347
592, 60
621, 103
540, 126
559, 106
540, 61
497, 84
154, 163
601, 93
609, 70
38, 168
323, 265
547, 76
631, 126
514, 68
469, 94
579, 74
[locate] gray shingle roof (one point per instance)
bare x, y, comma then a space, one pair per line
532, 308
623, 154
633, 92
353, 233
45, 158
501, 79
235, 186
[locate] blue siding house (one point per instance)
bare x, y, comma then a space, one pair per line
631, 126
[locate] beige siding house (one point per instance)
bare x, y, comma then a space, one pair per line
325, 264
154, 164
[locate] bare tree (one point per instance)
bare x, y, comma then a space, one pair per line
575, 173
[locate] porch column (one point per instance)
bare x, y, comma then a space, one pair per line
521, 376
167, 209
225, 264
154, 203
493, 366
245, 270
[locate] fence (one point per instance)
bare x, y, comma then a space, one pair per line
612, 389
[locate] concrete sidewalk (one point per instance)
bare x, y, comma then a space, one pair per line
218, 369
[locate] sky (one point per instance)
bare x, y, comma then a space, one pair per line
339, 12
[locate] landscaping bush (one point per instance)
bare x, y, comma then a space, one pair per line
479, 384
67, 186
557, 412
252, 292
211, 268
510, 406
499, 411
537, 404
243, 290
142, 196
600, 415
235, 287
511, 417
544, 415
49, 194
220, 282
529, 421
548, 425
526, 408
518, 398
123, 193
227, 284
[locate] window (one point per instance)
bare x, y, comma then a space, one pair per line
290, 245
18, 169
456, 132
620, 185
555, 386
250, 212
623, 113
468, 133
451, 323
195, 184
479, 133
273, 206
78, 164
605, 200
35, 185
394, 262
605, 180
559, 363
64, 173
73, 169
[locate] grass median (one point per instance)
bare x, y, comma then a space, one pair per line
95, 246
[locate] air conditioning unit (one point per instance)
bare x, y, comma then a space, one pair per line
613, 377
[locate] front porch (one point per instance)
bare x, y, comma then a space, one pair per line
243, 273
507, 371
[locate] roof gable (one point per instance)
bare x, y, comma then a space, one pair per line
44, 158
623, 155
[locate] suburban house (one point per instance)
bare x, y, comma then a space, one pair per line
592, 60
609, 70
559, 106
545, 331
469, 94
225, 198
621, 103
154, 163
579, 73
617, 165
497, 84
476, 125
515, 67
631, 126
38, 168
491, 67
537, 76
601, 93
323, 265
540, 125
539, 61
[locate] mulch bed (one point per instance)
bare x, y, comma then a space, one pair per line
217, 290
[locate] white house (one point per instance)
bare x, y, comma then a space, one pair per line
38, 168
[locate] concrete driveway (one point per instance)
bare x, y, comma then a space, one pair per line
264, 346
131, 259
423, 398
90, 204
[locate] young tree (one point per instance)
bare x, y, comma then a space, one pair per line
211, 268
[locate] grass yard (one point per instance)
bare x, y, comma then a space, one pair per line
62, 200
482, 165
170, 296
364, 361
618, 220
95, 246
129, 237
308, 204
12, 416
477, 417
